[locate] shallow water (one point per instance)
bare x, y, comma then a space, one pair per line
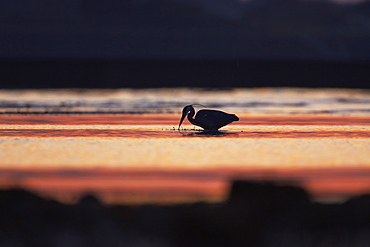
144, 158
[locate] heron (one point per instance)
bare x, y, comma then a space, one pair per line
209, 120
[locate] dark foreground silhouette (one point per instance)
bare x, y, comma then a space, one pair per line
255, 214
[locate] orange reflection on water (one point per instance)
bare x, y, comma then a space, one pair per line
144, 133
143, 158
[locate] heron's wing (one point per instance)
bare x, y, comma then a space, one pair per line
213, 119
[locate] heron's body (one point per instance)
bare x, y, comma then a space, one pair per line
210, 120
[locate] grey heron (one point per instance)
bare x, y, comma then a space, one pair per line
209, 120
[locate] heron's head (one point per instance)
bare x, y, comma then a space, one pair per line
185, 112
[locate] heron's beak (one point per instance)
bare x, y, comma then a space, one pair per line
182, 118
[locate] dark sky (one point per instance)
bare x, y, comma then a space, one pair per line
196, 29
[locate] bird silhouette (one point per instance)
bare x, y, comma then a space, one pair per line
209, 120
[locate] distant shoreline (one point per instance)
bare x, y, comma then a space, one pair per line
222, 74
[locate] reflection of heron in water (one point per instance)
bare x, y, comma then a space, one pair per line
209, 120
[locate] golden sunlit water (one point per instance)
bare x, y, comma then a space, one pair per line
142, 157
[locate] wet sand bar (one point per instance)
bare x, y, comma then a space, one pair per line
173, 119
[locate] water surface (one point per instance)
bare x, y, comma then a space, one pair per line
124, 145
